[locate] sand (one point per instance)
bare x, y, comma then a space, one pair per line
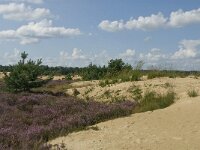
174, 128
1, 75
123, 90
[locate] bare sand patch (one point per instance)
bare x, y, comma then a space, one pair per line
1, 75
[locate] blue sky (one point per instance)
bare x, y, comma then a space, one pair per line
76, 32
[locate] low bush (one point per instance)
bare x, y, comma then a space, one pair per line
192, 93
152, 101
136, 93
106, 82
28, 120
76, 92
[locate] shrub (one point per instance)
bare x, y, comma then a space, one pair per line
68, 77
107, 82
117, 65
155, 74
152, 101
75, 92
24, 76
136, 93
136, 75
193, 93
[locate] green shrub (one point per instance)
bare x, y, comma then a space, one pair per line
193, 93
136, 93
155, 74
106, 82
75, 92
136, 75
152, 101
68, 77
107, 94
24, 76
168, 85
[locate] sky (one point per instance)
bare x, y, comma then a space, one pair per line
163, 34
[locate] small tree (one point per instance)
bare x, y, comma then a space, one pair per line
117, 65
24, 76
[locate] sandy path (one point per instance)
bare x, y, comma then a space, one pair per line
174, 128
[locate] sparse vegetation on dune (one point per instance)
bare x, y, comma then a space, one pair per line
152, 101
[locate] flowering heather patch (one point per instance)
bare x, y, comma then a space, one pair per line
28, 120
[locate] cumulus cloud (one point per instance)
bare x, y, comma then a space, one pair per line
78, 58
141, 23
180, 18
177, 18
35, 31
128, 54
20, 12
146, 23
154, 55
187, 49
72, 59
111, 26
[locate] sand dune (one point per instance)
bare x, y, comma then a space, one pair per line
174, 128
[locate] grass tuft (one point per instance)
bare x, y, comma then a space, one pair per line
193, 93
152, 101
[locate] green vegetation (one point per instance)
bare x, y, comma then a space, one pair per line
152, 101
170, 73
158, 74
193, 93
106, 82
76, 92
24, 76
68, 77
116, 69
136, 93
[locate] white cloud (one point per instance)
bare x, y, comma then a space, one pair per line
35, 31
76, 57
154, 21
111, 26
187, 49
147, 23
101, 58
180, 18
19, 12
154, 55
128, 54
141, 23
77, 54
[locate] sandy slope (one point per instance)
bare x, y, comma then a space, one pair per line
174, 128
122, 90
